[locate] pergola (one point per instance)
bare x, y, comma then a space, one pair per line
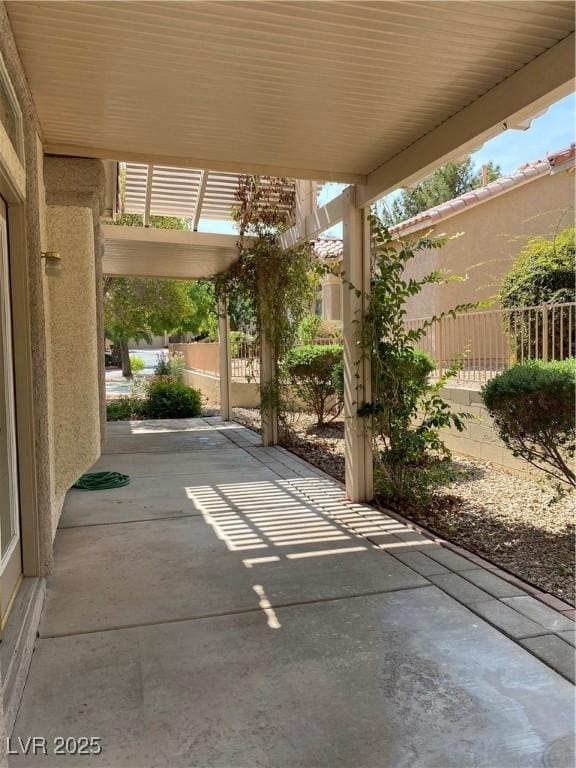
372, 94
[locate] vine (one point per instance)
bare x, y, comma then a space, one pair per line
406, 410
273, 287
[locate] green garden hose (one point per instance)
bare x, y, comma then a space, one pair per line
101, 481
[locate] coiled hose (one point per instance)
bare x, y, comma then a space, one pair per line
101, 481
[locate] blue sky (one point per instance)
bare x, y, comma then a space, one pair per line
552, 131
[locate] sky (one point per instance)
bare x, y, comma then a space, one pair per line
552, 131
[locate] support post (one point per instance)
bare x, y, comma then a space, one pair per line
357, 374
269, 412
225, 363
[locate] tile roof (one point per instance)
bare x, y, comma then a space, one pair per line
328, 248
525, 174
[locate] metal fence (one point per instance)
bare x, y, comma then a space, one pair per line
488, 342
245, 361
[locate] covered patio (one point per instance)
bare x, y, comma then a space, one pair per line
233, 606
229, 608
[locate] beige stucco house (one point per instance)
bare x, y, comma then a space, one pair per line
490, 226
208, 92
487, 228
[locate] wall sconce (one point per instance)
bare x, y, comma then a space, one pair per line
52, 262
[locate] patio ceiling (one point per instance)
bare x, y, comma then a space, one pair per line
165, 253
190, 193
329, 91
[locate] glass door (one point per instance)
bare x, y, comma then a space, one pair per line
10, 548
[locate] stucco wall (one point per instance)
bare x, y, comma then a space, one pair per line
36, 309
202, 356
243, 394
72, 346
493, 235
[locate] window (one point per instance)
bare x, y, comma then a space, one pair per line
10, 114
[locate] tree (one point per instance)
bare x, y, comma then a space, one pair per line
446, 183
202, 320
138, 308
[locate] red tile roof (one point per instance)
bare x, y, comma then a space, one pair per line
327, 248
523, 175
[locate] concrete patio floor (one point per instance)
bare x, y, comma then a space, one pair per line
227, 609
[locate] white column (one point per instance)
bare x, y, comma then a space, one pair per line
225, 365
357, 381
268, 412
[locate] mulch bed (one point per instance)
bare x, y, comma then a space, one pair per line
520, 524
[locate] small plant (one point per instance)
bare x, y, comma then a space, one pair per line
176, 366
167, 398
310, 371
308, 328
137, 363
533, 408
162, 367
124, 408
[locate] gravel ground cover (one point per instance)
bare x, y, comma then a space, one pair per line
522, 525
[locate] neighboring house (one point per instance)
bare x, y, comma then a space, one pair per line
495, 221
329, 300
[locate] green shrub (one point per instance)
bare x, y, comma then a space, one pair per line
308, 328
167, 398
124, 408
338, 379
310, 371
542, 273
137, 363
533, 409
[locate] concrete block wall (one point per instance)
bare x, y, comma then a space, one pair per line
480, 439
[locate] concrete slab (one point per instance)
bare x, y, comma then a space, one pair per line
397, 680
156, 426
172, 569
211, 463
171, 442
145, 498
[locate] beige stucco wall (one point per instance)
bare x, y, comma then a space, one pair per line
494, 232
72, 347
331, 298
202, 356
243, 394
